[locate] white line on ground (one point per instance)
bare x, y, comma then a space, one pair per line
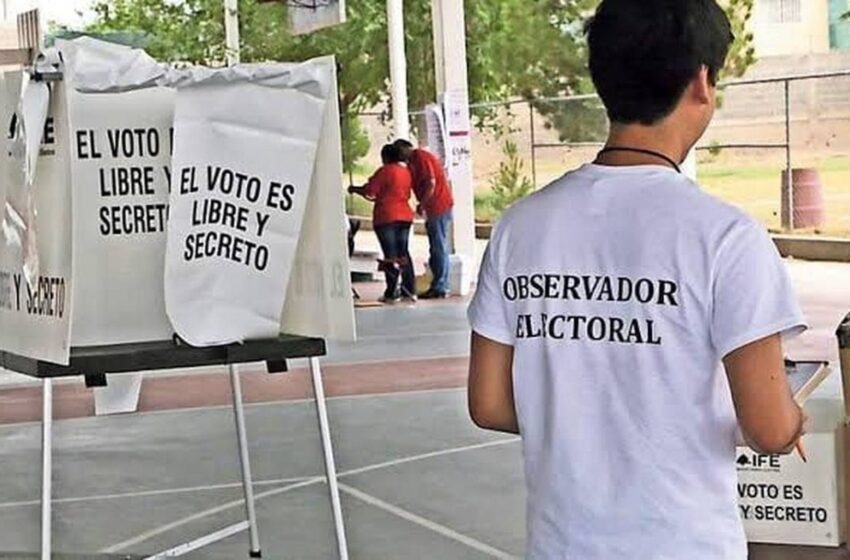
412, 458
206, 513
225, 533
303, 484
149, 493
427, 523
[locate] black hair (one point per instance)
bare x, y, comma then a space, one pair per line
644, 53
404, 147
390, 154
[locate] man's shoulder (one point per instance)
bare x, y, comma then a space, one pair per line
424, 155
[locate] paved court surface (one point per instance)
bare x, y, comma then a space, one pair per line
418, 480
426, 486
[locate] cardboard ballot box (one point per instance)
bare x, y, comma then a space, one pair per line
843, 334
108, 210
786, 501
783, 500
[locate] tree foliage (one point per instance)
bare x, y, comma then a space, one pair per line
516, 48
510, 183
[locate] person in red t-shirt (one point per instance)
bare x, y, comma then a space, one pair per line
435, 200
390, 189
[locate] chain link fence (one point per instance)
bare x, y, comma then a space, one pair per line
762, 128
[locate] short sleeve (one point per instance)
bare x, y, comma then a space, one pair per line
488, 314
753, 294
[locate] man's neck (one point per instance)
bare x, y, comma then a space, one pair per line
660, 138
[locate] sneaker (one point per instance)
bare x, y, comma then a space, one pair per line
408, 296
389, 300
434, 294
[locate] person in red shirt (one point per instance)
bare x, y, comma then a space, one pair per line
436, 202
390, 189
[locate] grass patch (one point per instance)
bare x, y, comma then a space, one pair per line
756, 188
357, 206
749, 183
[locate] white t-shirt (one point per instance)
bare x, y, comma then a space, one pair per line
621, 289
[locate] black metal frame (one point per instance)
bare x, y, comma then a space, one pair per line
94, 362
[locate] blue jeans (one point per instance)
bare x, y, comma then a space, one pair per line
393, 239
438, 237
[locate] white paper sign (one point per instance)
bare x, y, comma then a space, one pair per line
785, 501
244, 154
35, 321
436, 133
459, 131
319, 299
120, 168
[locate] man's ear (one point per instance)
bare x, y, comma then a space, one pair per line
701, 87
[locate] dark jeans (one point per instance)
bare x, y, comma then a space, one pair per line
439, 228
393, 238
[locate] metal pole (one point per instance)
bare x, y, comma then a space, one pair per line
533, 144
327, 448
245, 462
398, 68
789, 179
46, 469
231, 30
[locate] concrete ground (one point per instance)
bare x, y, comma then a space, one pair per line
417, 479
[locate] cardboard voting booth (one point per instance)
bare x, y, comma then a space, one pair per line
141, 201
197, 201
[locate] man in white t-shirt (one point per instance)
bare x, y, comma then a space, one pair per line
609, 302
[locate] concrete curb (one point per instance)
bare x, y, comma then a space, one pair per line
805, 247
832, 249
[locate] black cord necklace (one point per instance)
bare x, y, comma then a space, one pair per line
652, 153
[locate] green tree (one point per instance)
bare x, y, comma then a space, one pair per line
510, 183
516, 48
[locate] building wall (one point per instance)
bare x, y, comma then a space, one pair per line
820, 108
8, 36
839, 28
791, 27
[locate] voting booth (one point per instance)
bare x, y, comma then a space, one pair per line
784, 500
160, 218
124, 143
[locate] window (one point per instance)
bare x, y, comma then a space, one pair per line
782, 11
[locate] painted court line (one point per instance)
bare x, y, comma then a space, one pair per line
413, 458
149, 493
225, 533
427, 523
206, 513
303, 484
